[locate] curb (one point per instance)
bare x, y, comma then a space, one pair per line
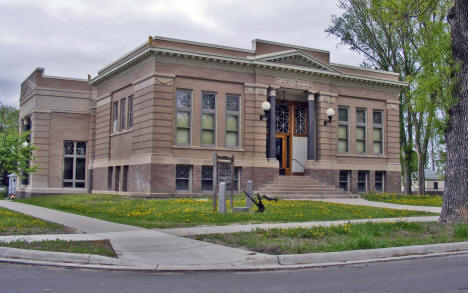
57, 257
366, 254
279, 262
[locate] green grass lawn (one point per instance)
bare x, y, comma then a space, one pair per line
13, 223
99, 247
168, 213
341, 238
416, 200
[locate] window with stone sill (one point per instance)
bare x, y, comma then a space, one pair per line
362, 181
74, 164
232, 120
122, 114
344, 180
115, 117
130, 112
208, 119
237, 178
207, 178
183, 117
183, 177
379, 180
360, 131
378, 132
343, 130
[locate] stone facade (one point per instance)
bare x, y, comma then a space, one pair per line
127, 117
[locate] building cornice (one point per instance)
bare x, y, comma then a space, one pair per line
245, 64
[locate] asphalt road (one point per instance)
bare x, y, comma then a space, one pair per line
442, 274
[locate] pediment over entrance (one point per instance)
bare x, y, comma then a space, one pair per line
296, 58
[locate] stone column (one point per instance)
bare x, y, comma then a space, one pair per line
40, 124
271, 126
353, 181
371, 181
311, 133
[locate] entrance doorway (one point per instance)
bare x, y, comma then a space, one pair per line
290, 124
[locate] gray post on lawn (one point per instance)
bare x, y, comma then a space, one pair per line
222, 198
249, 190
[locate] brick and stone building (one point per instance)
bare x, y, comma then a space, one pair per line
149, 122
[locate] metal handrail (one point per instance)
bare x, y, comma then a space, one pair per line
299, 163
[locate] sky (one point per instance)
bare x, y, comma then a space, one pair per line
75, 38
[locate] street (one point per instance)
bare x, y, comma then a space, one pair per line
439, 274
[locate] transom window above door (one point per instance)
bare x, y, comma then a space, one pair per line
282, 119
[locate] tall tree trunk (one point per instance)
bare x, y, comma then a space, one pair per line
455, 204
421, 176
408, 151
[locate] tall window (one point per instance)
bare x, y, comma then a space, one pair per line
378, 133
207, 178
300, 121
74, 164
343, 130
183, 176
122, 114
208, 119
379, 180
115, 117
362, 181
183, 120
344, 180
360, 131
237, 178
232, 120
130, 112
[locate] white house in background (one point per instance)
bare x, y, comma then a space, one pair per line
434, 182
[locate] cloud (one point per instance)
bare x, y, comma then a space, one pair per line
74, 38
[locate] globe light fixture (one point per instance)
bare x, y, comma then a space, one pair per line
266, 108
330, 113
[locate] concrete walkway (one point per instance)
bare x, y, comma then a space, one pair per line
379, 204
146, 247
190, 231
165, 250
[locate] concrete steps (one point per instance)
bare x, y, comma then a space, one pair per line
302, 187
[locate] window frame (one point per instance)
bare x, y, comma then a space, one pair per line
188, 110
206, 179
122, 121
208, 112
296, 107
189, 179
381, 128
361, 125
130, 112
115, 116
234, 114
365, 181
382, 182
74, 157
347, 179
343, 123
237, 179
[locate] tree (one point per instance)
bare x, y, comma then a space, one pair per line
431, 88
8, 118
411, 38
455, 203
15, 151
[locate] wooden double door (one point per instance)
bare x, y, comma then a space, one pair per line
290, 120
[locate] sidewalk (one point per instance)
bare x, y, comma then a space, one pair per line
379, 204
165, 250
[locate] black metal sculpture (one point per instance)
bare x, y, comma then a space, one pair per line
258, 202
